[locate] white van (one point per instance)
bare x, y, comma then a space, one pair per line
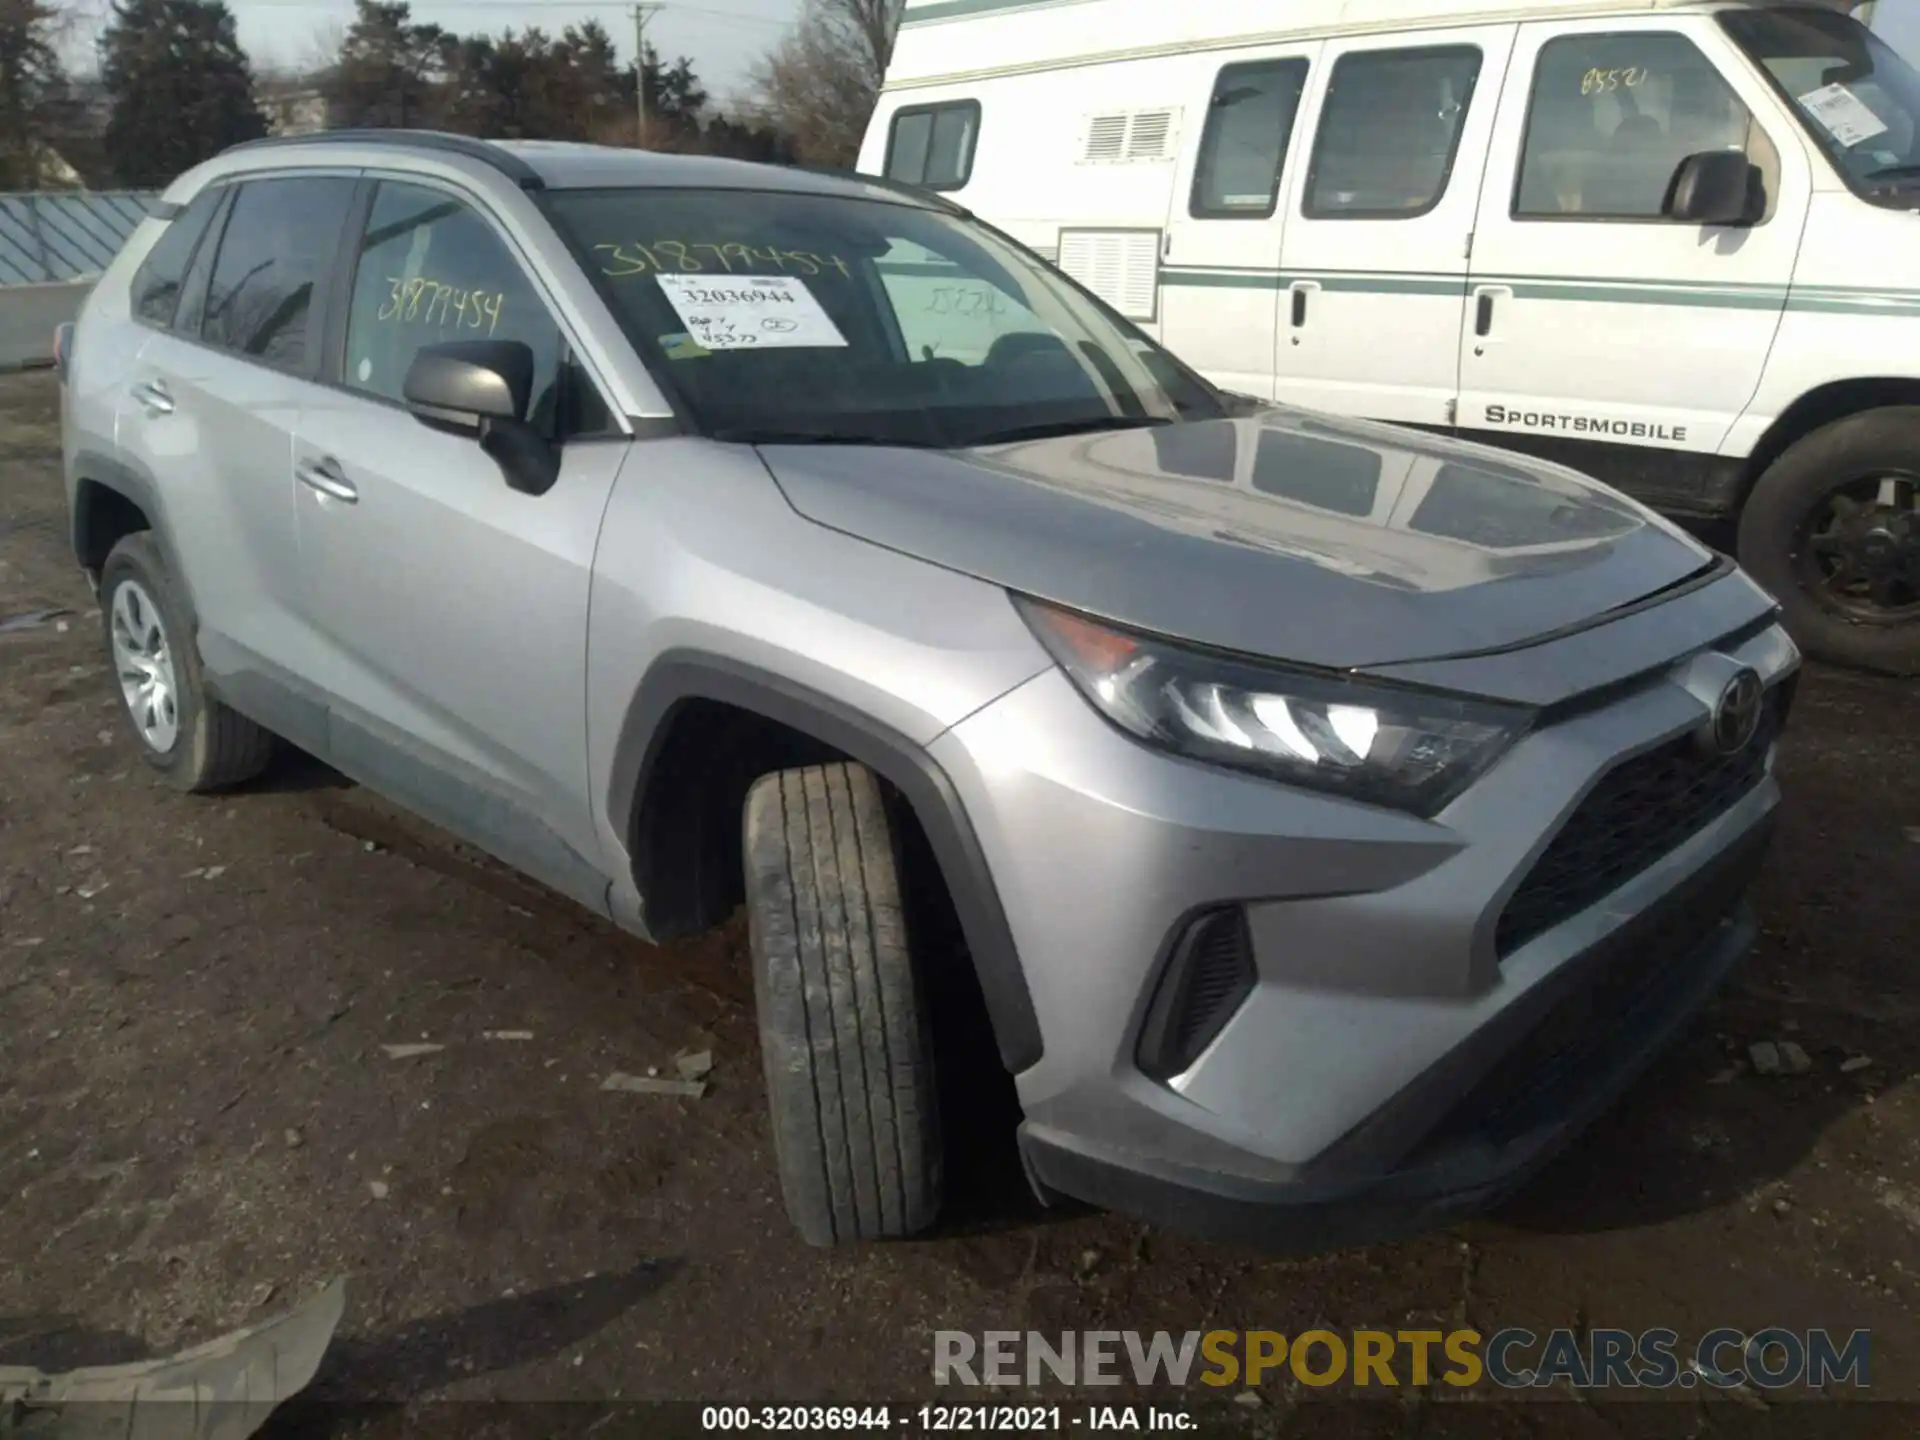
1672, 245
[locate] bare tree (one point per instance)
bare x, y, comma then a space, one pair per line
818, 86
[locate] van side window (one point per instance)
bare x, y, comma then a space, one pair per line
932, 145
1611, 118
1389, 129
280, 241
156, 284
1249, 122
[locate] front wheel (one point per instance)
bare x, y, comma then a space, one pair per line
843, 1025
1833, 530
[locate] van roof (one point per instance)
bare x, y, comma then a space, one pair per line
948, 41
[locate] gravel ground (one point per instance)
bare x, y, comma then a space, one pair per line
199, 1121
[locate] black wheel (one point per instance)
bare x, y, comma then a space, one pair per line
1833, 530
843, 1029
189, 737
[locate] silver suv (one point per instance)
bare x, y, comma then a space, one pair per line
1336, 817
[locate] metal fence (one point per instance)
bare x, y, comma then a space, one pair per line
52, 237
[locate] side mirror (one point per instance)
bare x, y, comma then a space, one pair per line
1716, 187
483, 388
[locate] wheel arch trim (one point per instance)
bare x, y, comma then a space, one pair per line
679, 676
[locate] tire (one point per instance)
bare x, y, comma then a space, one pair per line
844, 1029
1789, 496
194, 741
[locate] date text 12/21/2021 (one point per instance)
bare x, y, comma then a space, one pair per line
920, 1420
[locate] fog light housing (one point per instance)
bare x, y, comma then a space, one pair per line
1208, 974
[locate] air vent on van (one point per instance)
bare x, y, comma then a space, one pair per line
1106, 137
1128, 135
1122, 267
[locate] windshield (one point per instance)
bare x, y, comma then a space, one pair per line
786, 316
1854, 93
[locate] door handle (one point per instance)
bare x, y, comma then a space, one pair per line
1300, 290
323, 475
153, 397
1483, 303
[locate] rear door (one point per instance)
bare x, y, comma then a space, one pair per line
1220, 270
1381, 211
454, 608
215, 398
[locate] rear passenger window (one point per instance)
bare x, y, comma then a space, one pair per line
1244, 145
156, 284
1612, 117
280, 241
1389, 130
932, 145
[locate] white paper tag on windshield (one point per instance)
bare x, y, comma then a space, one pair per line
1844, 114
750, 312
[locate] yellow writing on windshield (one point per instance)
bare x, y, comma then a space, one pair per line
423, 301
694, 257
1625, 77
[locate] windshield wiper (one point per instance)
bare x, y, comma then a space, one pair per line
756, 435
1048, 429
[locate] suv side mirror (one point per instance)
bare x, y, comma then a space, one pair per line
1716, 187
483, 388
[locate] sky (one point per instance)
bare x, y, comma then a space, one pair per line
722, 37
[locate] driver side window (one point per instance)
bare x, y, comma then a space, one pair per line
432, 270
1613, 115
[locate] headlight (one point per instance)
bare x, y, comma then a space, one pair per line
1411, 749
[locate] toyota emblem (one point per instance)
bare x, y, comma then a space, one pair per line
1736, 714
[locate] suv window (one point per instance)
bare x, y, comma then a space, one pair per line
431, 269
932, 145
156, 284
1389, 129
1249, 122
1611, 118
280, 241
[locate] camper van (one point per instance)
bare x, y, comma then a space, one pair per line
1673, 246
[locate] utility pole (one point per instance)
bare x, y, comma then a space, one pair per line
640, 14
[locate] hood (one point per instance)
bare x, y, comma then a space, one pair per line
1324, 542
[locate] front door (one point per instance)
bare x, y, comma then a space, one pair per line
1374, 257
1601, 333
455, 606
1220, 272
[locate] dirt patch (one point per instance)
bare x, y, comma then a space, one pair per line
199, 1112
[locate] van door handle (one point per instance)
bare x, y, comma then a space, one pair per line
1300, 290
1484, 298
153, 397
324, 476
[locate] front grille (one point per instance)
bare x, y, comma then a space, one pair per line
1208, 975
1604, 1002
1638, 812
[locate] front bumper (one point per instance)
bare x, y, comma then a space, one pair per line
1547, 1068
1395, 1058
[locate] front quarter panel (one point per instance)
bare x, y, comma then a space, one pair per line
700, 555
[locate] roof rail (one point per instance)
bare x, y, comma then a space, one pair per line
487, 153
899, 187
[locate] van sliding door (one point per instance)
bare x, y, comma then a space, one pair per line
1219, 273
1381, 204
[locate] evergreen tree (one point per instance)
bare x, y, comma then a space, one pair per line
33, 90
179, 87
